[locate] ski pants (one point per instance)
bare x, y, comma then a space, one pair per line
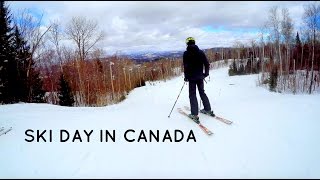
193, 96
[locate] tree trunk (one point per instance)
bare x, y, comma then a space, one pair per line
125, 79
262, 60
130, 80
280, 58
80, 84
88, 95
312, 59
301, 61
294, 76
111, 78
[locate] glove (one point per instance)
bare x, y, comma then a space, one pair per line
186, 80
206, 75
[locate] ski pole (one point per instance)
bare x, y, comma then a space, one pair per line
177, 99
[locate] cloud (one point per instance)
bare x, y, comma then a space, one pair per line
155, 25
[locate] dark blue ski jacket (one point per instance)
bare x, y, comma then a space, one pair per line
194, 60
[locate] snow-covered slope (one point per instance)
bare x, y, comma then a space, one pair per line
273, 135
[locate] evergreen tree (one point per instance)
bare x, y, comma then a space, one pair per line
248, 67
34, 86
273, 78
6, 53
298, 42
22, 52
297, 51
15, 86
24, 88
233, 68
64, 94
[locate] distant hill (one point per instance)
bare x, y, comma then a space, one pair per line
151, 56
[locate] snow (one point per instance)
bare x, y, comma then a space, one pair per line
273, 135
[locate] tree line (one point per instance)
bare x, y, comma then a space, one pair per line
37, 66
288, 60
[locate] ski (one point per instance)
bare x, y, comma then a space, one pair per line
2, 128
217, 117
5, 132
206, 130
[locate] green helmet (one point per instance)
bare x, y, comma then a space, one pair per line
190, 39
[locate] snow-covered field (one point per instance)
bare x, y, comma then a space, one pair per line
273, 135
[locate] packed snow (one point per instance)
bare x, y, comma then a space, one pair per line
273, 135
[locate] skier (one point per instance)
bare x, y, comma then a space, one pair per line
193, 61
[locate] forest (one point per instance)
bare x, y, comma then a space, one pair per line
37, 66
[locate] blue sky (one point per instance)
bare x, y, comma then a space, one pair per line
209, 28
218, 29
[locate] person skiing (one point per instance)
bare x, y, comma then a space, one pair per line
194, 60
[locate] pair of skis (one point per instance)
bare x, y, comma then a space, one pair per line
217, 117
205, 129
4, 131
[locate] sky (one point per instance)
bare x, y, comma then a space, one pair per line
133, 26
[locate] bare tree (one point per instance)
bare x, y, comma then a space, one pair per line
238, 45
274, 24
55, 36
253, 45
311, 18
85, 34
287, 32
262, 55
47, 62
34, 31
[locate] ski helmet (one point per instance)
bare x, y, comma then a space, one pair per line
190, 39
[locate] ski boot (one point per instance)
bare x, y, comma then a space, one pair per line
195, 118
210, 113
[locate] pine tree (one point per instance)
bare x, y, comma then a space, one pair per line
273, 78
64, 94
35, 90
233, 68
297, 50
298, 42
15, 86
6, 53
22, 52
24, 88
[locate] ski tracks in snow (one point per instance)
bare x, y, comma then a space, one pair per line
81, 163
